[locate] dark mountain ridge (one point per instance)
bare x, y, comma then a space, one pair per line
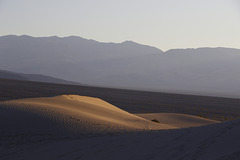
34, 77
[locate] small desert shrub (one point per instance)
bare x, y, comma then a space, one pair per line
155, 120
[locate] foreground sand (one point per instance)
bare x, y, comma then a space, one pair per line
212, 142
76, 127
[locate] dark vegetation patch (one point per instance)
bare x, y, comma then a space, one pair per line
155, 120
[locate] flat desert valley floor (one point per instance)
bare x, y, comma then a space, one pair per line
50, 121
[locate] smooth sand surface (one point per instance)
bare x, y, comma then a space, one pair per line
71, 113
177, 119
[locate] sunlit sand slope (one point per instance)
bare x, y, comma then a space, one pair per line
69, 113
178, 120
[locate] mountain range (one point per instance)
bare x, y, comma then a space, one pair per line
204, 71
34, 77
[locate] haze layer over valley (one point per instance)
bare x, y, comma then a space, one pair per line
206, 71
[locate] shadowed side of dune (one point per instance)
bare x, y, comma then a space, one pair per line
218, 141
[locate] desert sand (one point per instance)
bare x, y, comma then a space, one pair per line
72, 113
78, 127
177, 119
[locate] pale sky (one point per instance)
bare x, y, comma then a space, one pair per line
164, 24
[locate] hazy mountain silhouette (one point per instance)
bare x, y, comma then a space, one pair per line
12, 75
211, 71
33, 77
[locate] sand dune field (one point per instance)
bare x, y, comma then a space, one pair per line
79, 127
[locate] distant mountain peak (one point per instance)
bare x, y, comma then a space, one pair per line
74, 37
25, 36
129, 41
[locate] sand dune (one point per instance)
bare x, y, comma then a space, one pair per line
51, 128
178, 120
70, 113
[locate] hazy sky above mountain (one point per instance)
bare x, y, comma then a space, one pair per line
161, 23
